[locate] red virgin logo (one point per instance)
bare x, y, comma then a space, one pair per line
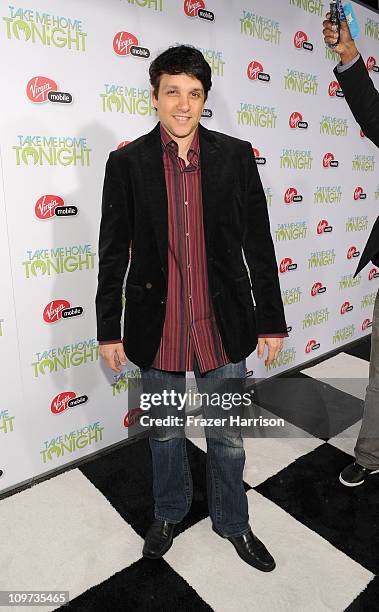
132, 417
46, 205
359, 194
123, 143
300, 40
366, 324
123, 41
259, 160
317, 288
296, 121
373, 273
287, 265
371, 64
311, 345
255, 72
352, 252
334, 90
329, 161
65, 400
60, 402
53, 310
38, 88
323, 226
346, 307
291, 196
60, 309
191, 7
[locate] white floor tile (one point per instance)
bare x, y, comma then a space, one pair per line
62, 534
345, 372
347, 439
310, 575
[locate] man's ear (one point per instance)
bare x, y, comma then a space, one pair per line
154, 99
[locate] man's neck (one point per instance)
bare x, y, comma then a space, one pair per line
183, 143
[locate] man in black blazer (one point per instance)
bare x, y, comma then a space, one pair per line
188, 200
363, 100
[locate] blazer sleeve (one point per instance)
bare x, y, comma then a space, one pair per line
114, 241
362, 98
259, 251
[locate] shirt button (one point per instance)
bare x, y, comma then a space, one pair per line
189, 265
187, 234
186, 203
190, 297
148, 285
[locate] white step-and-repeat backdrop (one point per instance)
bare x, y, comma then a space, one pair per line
74, 87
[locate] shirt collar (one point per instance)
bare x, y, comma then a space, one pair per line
193, 151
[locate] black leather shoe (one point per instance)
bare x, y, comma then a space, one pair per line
158, 539
251, 550
355, 474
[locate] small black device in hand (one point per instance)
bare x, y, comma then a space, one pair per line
335, 20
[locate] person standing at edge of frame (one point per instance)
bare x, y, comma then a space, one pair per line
363, 100
189, 200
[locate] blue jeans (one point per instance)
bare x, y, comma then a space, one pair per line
172, 480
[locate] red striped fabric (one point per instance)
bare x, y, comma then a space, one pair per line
190, 327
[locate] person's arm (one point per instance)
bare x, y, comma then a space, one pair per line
358, 88
114, 240
260, 257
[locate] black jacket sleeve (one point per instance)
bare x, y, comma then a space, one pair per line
362, 98
259, 251
114, 241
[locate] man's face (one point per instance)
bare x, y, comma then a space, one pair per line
180, 103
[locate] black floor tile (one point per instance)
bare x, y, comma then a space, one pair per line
347, 517
146, 586
361, 349
368, 600
314, 406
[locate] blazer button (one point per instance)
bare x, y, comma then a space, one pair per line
148, 285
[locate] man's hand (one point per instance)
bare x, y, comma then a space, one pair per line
346, 47
113, 355
274, 345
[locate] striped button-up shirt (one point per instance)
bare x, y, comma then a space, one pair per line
190, 327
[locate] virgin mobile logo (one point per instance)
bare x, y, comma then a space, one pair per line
287, 265
300, 41
291, 195
39, 87
329, 161
60, 309
371, 64
312, 345
255, 72
296, 121
334, 90
65, 400
48, 206
125, 43
196, 8
42, 89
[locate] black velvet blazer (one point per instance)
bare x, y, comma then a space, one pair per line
363, 100
134, 208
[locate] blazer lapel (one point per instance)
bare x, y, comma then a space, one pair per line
210, 181
371, 248
156, 191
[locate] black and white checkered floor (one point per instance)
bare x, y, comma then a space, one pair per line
83, 530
